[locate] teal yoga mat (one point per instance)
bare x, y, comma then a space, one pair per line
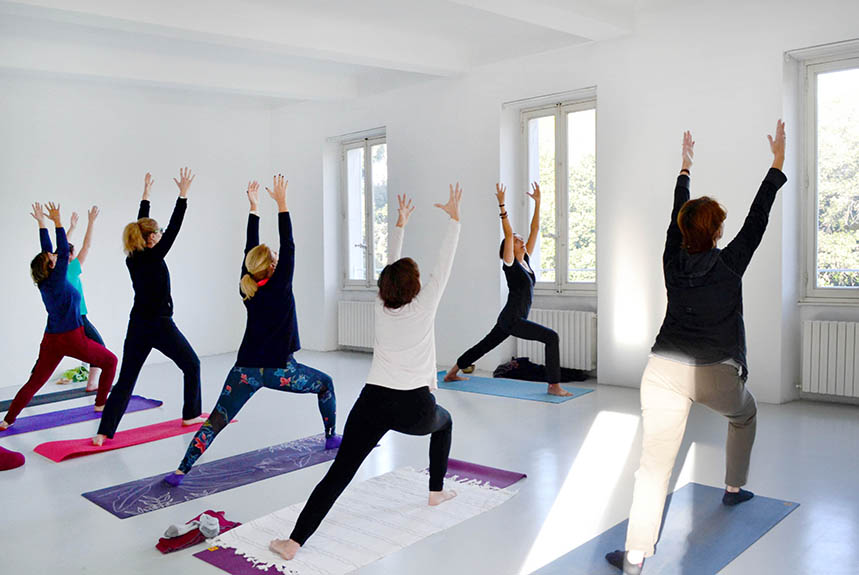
699, 535
532, 390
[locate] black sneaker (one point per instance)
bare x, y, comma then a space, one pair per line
619, 560
731, 499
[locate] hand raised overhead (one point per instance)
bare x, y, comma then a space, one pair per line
452, 205
184, 181
404, 211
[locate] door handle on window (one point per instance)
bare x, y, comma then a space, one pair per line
362, 246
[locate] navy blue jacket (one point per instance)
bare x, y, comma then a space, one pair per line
61, 299
271, 334
149, 274
704, 321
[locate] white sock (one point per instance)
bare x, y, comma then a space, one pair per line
177, 530
209, 526
635, 557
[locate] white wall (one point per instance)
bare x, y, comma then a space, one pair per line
82, 144
714, 68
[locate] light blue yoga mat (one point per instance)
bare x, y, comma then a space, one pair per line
535, 391
699, 535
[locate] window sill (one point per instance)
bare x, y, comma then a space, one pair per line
356, 287
829, 301
569, 292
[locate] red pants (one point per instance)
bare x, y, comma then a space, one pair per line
56, 346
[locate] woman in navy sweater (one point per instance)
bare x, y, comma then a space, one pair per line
64, 334
271, 336
151, 323
700, 352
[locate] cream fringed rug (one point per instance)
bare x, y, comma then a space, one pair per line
370, 520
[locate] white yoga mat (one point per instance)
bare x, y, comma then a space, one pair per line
370, 520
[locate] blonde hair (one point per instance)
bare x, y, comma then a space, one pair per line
258, 261
135, 234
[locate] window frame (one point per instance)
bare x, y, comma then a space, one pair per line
811, 68
367, 143
562, 285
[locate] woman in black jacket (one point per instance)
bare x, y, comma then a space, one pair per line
151, 320
700, 352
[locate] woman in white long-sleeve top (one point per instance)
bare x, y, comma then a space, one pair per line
397, 394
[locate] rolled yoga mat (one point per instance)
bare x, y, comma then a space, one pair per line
61, 450
151, 493
699, 535
43, 398
371, 519
532, 390
465, 471
69, 416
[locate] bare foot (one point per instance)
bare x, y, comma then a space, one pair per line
195, 421
98, 440
99, 408
286, 548
4, 425
556, 389
439, 497
451, 374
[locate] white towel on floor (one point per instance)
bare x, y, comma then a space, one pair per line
370, 520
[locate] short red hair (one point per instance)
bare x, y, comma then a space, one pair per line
700, 221
399, 283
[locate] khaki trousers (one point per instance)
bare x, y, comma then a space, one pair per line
668, 389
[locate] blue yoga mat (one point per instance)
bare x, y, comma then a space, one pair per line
535, 391
699, 535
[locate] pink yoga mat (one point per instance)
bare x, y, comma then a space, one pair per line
61, 450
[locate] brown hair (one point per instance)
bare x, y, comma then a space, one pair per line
699, 221
135, 234
258, 261
40, 268
399, 283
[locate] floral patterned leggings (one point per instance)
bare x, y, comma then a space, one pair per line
243, 382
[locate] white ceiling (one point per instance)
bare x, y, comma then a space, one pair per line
291, 50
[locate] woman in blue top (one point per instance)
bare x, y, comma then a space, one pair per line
513, 319
271, 336
73, 274
64, 334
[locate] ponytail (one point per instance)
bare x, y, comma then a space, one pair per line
257, 262
135, 234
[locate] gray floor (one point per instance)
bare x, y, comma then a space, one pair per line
579, 456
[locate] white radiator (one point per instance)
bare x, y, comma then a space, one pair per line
577, 331
355, 323
830, 358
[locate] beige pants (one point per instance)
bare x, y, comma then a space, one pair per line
668, 389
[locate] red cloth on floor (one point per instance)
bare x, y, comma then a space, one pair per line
10, 459
193, 537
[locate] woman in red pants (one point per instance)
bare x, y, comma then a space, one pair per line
64, 334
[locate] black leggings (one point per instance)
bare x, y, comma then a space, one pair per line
90, 331
142, 336
523, 329
378, 410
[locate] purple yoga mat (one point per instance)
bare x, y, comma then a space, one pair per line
151, 493
228, 560
69, 416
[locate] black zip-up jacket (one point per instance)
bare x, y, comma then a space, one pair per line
704, 321
149, 274
271, 334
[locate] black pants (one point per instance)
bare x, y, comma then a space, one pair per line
378, 410
142, 336
523, 329
90, 331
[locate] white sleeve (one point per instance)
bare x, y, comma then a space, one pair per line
430, 293
395, 244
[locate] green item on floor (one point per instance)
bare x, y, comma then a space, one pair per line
75, 375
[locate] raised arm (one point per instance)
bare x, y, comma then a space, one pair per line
183, 183
44, 238
500, 193
395, 241
535, 219
92, 214
73, 225
674, 238
738, 253
59, 273
286, 258
431, 291
143, 211
252, 239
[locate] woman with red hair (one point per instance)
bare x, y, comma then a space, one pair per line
700, 352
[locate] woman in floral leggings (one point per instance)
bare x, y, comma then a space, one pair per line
271, 337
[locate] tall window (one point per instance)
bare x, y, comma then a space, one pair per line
365, 183
832, 179
560, 143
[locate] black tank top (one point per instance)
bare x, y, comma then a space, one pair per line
520, 283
